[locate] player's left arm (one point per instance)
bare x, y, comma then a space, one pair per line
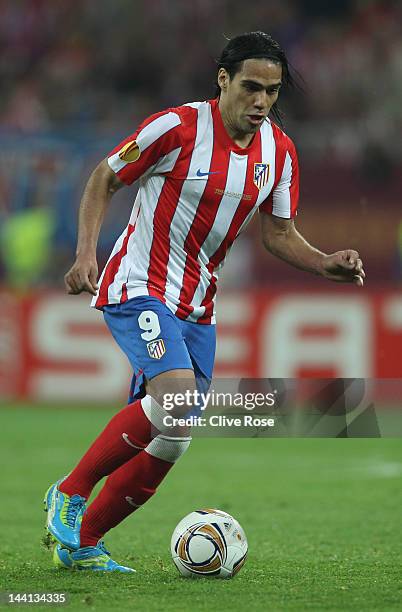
281, 238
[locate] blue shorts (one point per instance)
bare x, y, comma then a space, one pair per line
155, 341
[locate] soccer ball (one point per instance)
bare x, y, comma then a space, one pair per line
209, 542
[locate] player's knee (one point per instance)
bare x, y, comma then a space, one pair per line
164, 421
175, 391
168, 448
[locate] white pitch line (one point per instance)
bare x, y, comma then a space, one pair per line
381, 469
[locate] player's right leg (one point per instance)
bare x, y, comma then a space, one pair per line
126, 434
131, 429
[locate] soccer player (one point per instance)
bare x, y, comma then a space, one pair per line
204, 169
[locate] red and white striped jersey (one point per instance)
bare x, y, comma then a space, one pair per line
197, 191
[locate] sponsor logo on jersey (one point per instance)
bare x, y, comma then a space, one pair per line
261, 175
156, 348
233, 194
130, 152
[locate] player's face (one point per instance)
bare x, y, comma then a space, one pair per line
247, 98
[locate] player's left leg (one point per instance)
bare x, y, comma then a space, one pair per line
126, 434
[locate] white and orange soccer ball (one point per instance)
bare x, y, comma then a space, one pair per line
207, 543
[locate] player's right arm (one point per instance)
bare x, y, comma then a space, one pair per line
102, 184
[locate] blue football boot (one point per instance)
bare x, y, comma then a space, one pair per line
94, 558
64, 516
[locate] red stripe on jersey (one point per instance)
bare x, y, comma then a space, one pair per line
124, 296
201, 226
112, 268
162, 146
281, 148
164, 211
208, 300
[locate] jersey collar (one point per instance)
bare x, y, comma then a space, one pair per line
223, 136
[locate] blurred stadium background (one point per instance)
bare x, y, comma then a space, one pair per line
78, 77
321, 516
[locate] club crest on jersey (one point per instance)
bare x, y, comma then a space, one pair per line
156, 348
261, 175
130, 152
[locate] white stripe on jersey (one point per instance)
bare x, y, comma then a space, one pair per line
268, 148
164, 164
189, 200
118, 245
156, 129
235, 182
121, 277
147, 136
136, 207
281, 195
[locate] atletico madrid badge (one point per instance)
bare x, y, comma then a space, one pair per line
261, 175
156, 348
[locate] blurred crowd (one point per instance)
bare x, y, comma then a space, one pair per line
108, 63
91, 70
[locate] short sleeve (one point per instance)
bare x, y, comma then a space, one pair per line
284, 197
148, 149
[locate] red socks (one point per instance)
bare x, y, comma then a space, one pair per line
126, 489
134, 474
124, 436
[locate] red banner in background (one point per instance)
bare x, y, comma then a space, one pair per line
53, 347
314, 334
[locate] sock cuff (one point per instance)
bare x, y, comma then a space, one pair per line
155, 413
168, 448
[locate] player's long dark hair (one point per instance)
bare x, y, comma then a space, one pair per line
256, 45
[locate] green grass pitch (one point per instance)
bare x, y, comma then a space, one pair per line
322, 516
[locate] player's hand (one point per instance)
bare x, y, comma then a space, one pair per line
82, 276
344, 267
